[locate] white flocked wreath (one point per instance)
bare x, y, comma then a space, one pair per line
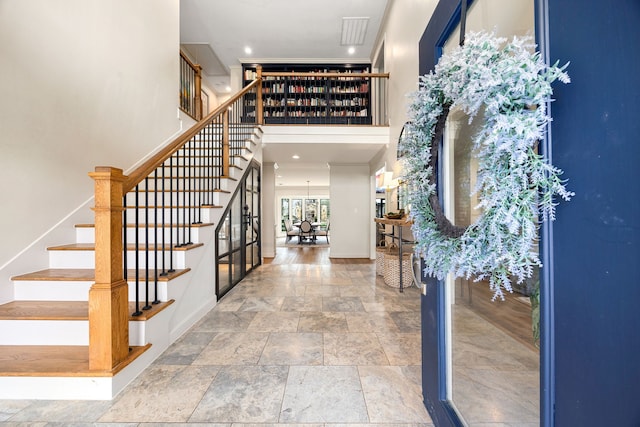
516, 185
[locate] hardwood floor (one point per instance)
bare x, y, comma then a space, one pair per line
310, 255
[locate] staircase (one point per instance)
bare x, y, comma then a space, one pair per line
44, 332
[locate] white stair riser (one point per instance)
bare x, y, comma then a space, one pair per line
44, 332
86, 259
152, 330
52, 290
59, 332
79, 290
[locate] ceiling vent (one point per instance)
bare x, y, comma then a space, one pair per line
354, 31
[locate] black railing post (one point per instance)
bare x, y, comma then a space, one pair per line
147, 306
136, 251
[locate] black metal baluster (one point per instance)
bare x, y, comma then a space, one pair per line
171, 270
164, 224
138, 312
197, 161
189, 189
155, 237
220, 151
147, 306
184, 197
206, 167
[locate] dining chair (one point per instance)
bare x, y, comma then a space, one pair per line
306, 232
290, 229
324, 232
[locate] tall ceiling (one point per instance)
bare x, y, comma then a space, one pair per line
216, 33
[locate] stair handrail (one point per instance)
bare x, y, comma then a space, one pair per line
152, 163
108, 296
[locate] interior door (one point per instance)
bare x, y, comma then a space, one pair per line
238, 236
251, 219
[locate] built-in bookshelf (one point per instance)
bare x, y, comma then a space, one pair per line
343, 99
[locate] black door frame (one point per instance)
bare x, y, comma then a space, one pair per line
246, 220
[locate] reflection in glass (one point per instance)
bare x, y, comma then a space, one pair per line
492, 362
248, 257
284, 212
224, 274
296, 210
324, 210
236, 223
311, 210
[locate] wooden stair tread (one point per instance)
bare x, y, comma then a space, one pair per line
66, 310
91, 247
84, 275
56, 361
44, 310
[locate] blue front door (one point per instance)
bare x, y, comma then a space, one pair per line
590, 343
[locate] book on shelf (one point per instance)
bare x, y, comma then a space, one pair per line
250, 74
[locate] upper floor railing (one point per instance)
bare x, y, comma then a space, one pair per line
190, 87
320, 98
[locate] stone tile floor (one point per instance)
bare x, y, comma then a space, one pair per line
313, 345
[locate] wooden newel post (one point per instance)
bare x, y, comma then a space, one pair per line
259, 111
108, 296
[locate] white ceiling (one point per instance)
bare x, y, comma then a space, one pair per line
278, 30
216, 32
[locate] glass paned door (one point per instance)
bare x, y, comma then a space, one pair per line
324, 210
296, 210
251, 219
489, 345
238, 236
284, 212
311, 210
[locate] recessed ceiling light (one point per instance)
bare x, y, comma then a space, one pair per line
295, 156
247, 50
352, 50
279, 176
227, 88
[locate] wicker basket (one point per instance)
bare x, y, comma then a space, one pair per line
392, 269
380, 251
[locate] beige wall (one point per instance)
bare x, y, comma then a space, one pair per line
351, 212
82, 83
406, 21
